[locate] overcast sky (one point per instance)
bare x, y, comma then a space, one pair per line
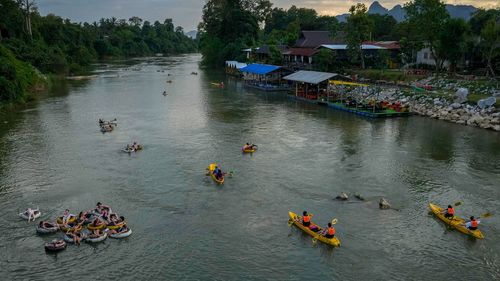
187, 13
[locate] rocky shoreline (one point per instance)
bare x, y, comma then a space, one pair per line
443, 109
460, 114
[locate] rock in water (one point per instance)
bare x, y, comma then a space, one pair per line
461, 95
357, 195
383, 204
342, 196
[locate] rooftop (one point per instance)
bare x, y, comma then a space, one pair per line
260, 69
313, 39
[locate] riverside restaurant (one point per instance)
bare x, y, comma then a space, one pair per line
312, 86
265, 77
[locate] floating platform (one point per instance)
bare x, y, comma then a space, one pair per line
267, 88
386, 113
368, 113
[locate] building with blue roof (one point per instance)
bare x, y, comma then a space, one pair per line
265, 77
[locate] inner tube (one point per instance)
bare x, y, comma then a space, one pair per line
122, 234
115, 226
72, 219
68, 239
36, 214
99, 226
46, 230
101, 238
72, 228
55, 245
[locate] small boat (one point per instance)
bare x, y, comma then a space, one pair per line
455, 222
296, 221
55, 246
211, 169
36, 214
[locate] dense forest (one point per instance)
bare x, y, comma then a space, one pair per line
256, 22
51, 44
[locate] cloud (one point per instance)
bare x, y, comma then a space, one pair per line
187, 13
335, 7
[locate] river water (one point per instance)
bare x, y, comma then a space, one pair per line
186, 228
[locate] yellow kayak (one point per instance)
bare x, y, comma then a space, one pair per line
211, 169
296, 221
248, 150
456, 222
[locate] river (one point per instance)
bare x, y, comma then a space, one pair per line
186, 228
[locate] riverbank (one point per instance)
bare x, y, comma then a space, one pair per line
442, 107
19, 81
441, 100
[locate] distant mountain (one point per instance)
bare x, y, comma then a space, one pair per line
376, 8
456, 11
192, 34
398, 13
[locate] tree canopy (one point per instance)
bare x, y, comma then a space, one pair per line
57, 45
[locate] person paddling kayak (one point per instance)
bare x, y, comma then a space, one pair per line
330, 231
472, 224
306, 219
449, 212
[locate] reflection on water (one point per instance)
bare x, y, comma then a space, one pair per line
185, 227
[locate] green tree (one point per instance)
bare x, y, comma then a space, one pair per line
452, 41
383, 26
490, 36
275, 57
481, 17
358, 27
325, 60
410, 41
226, 23
429, 18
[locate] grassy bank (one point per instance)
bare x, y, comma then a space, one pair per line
391, 75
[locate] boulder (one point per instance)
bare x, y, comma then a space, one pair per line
357, 195
343, 196
383, 204
461, 95
455, 105
485, 103
484, 125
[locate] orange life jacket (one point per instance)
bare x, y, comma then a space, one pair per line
331, 231
451, 211
473, 223
306, 218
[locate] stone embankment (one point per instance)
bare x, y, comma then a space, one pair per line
460, 114
443, 109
